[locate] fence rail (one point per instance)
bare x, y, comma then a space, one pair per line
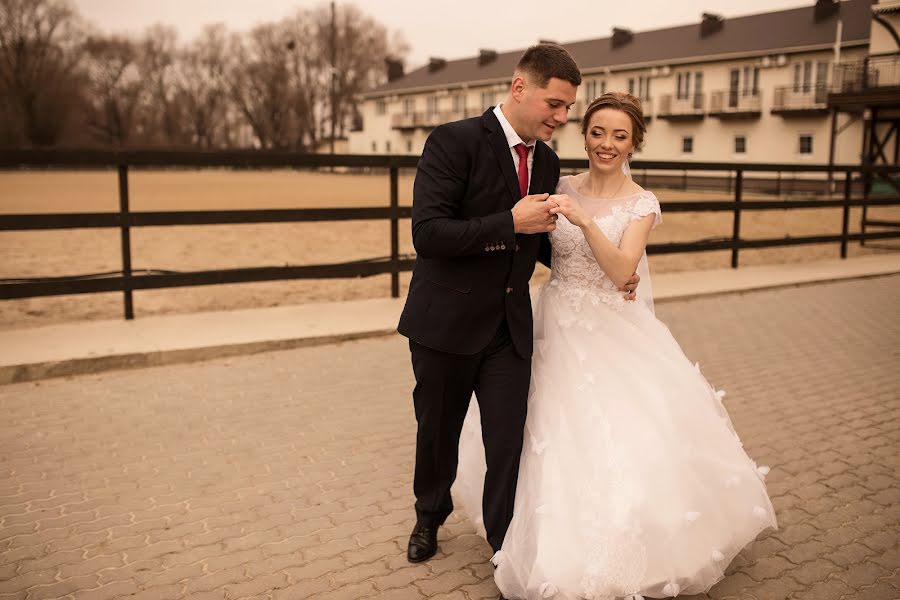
128, 280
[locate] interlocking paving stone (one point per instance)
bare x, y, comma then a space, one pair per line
288, 474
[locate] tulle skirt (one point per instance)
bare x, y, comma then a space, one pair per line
632, 479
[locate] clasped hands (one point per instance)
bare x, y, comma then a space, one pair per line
537, 213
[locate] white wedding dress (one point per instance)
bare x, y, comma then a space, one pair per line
632, 479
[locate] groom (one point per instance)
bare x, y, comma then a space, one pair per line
480, 219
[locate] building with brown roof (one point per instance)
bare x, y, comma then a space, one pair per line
745, 89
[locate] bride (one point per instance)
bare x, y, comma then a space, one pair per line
632, 480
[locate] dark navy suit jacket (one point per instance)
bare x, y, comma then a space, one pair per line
472, 269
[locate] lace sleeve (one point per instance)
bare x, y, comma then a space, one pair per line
647, 204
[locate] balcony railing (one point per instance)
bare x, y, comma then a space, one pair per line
871, 72
799, 100
427, 120
734, 103
689, 107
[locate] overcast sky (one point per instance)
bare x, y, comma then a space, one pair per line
448, 29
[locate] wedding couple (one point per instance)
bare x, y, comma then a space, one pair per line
596, 459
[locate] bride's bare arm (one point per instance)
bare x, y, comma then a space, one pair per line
619, 263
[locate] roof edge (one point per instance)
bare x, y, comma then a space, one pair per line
622, 67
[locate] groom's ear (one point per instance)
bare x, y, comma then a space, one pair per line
517, 88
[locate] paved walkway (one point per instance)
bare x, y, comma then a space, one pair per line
287, 474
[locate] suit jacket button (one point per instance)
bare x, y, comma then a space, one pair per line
509, 290
503, 246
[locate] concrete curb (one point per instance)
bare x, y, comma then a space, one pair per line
94, 347
157, 358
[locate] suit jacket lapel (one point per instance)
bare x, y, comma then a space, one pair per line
504, 156
538, 170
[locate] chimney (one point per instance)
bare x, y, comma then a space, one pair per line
394, 69
486, 57
436, 64
711, 24
825, 9
620, 37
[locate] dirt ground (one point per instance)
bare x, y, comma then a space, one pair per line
187, 248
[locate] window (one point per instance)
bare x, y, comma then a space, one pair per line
487, 99
687, 144
409, 146
639, 87
554, 144
387, 146
740, 144
751, 81
380, 106
432, 105
409, 105
459, 103
683, 87
595, 88
734, 84
806, 143
821, 74
803, 76
374, 146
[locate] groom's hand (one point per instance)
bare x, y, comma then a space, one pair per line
630, 287
531, 214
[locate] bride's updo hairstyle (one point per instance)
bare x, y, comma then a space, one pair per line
628, 104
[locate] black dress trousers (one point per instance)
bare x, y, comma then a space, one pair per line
499, 378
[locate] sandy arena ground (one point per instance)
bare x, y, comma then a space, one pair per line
187, 248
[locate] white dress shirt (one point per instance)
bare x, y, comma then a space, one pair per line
513, 139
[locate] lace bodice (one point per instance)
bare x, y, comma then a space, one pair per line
575, 271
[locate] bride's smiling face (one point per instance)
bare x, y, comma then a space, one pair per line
609, 139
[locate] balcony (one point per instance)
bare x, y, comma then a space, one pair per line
673, 108
800, 101
576, 113
733, 104
425, 120
873, 81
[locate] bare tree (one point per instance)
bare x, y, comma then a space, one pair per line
38, 80
261, 84
202, 86
309, 76
161, 119
361, 46
116, 88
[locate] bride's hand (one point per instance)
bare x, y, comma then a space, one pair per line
570, 208
630, 287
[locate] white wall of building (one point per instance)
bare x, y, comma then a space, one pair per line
769, 138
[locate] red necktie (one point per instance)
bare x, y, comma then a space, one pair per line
522, 151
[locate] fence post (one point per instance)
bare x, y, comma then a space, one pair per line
736, 232
126, 240
395, 234
845, 227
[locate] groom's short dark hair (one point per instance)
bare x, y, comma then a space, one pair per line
546, 60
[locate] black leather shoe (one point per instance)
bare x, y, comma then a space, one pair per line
422, 543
